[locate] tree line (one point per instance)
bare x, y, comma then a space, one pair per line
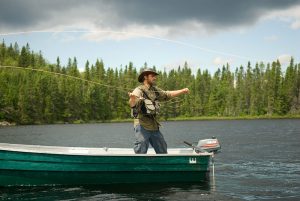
32, 97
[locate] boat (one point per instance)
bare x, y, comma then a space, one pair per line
36, 165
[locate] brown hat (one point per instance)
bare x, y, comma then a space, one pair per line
146, 72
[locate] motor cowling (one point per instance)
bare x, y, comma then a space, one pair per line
209, 145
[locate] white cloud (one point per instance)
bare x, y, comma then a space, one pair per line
290, 15
284, 59
296, 24
218, 61
128, 32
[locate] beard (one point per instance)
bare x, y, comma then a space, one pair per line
152, 83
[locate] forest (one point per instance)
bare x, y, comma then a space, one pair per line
40, 92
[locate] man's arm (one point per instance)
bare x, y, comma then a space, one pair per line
135, 97
132, 99
179, 92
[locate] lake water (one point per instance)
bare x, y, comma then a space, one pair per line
260, 160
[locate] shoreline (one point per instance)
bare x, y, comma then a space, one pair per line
200, 118
205, 118
7, 124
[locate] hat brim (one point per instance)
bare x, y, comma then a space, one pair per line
141, 76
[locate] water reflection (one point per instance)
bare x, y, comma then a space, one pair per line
150, 191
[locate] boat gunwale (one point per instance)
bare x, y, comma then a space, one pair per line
88, 151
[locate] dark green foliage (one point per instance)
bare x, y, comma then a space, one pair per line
30, 97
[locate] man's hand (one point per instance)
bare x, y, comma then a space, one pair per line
179, 92
132, 99
131, 95
185, 91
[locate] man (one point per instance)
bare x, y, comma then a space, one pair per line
144, 102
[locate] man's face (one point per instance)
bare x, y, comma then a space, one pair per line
150, 79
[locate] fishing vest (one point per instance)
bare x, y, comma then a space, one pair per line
150, 105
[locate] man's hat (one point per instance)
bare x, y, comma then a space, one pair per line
146, 72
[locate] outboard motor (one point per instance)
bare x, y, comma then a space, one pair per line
209, 145
206, 145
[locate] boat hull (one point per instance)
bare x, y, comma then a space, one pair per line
27, 168
48, 178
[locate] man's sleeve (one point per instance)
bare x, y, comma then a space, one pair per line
138, 93
163, 95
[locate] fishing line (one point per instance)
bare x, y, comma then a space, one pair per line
173, 100
132, 33
65, 75
126, 33
115, 32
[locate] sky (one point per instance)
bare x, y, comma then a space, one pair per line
206, 34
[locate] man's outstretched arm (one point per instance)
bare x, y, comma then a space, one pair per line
179, 92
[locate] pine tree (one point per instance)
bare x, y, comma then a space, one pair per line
289, 88
87, 75
24, 59
57, 66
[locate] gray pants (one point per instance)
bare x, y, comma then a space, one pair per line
144, 137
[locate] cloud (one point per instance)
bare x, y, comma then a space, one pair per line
218, 61
126, 33
164, 18
290, 15
284, 59
296, 24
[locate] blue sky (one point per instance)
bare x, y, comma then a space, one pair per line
163, 33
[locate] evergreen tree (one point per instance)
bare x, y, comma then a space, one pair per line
57, 66
87, 75
24, 59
